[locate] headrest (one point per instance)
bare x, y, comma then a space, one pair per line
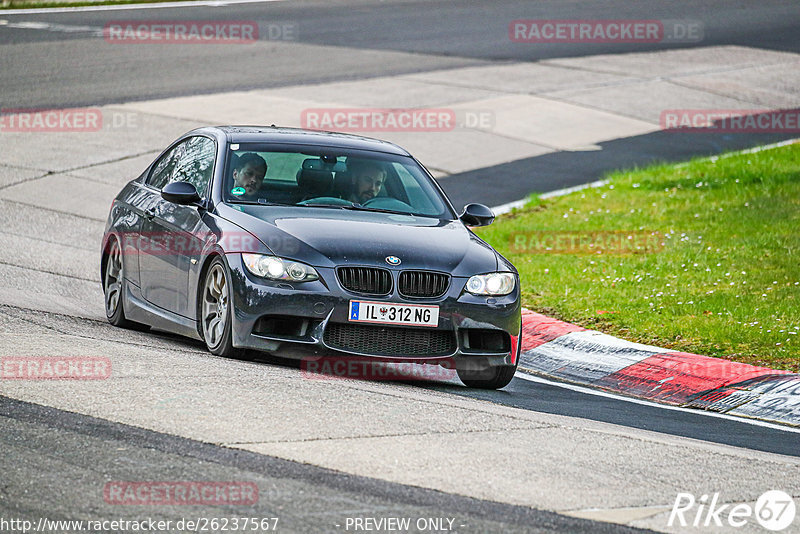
314, 183
342, 184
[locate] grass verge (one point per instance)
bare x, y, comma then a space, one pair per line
701, 257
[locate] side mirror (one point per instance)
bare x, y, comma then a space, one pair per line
180, 193
477, 215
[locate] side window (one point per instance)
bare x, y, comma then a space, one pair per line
164, 167
196, 163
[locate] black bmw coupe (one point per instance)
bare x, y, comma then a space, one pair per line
304, 243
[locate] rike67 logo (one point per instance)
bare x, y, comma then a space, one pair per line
774, 510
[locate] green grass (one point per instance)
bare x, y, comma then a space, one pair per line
726, 281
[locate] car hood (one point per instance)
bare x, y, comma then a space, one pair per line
327, 237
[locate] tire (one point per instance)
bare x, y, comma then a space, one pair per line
490, 377
114, 287
215, 311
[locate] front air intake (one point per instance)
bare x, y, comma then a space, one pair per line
365, 280
423, 284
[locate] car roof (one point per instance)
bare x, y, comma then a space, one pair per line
297, 136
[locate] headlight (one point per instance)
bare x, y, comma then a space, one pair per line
276, 268
494, 284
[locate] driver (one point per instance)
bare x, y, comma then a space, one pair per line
367, 180
248, 175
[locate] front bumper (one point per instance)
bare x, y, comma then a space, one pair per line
313, 306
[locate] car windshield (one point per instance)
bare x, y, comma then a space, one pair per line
331, 178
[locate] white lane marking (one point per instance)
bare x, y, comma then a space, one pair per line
52, 27
127, 7
568, 190
753, 150
505, 208
599, 393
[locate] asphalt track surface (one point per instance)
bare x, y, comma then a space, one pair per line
438, 34
63, 68
55, 63
55, 461
554, 398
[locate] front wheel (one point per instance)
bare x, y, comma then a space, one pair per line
113, 287
215, 311
490, 377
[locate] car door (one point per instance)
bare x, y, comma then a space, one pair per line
173, 234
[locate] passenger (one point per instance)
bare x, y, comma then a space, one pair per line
367, 180
248, 175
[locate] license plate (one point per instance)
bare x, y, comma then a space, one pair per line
367, 311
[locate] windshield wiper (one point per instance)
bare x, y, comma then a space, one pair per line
325, 205
356, 207
359, 207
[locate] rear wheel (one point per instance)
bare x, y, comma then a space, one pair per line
490, 377
215, 311
114, 285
